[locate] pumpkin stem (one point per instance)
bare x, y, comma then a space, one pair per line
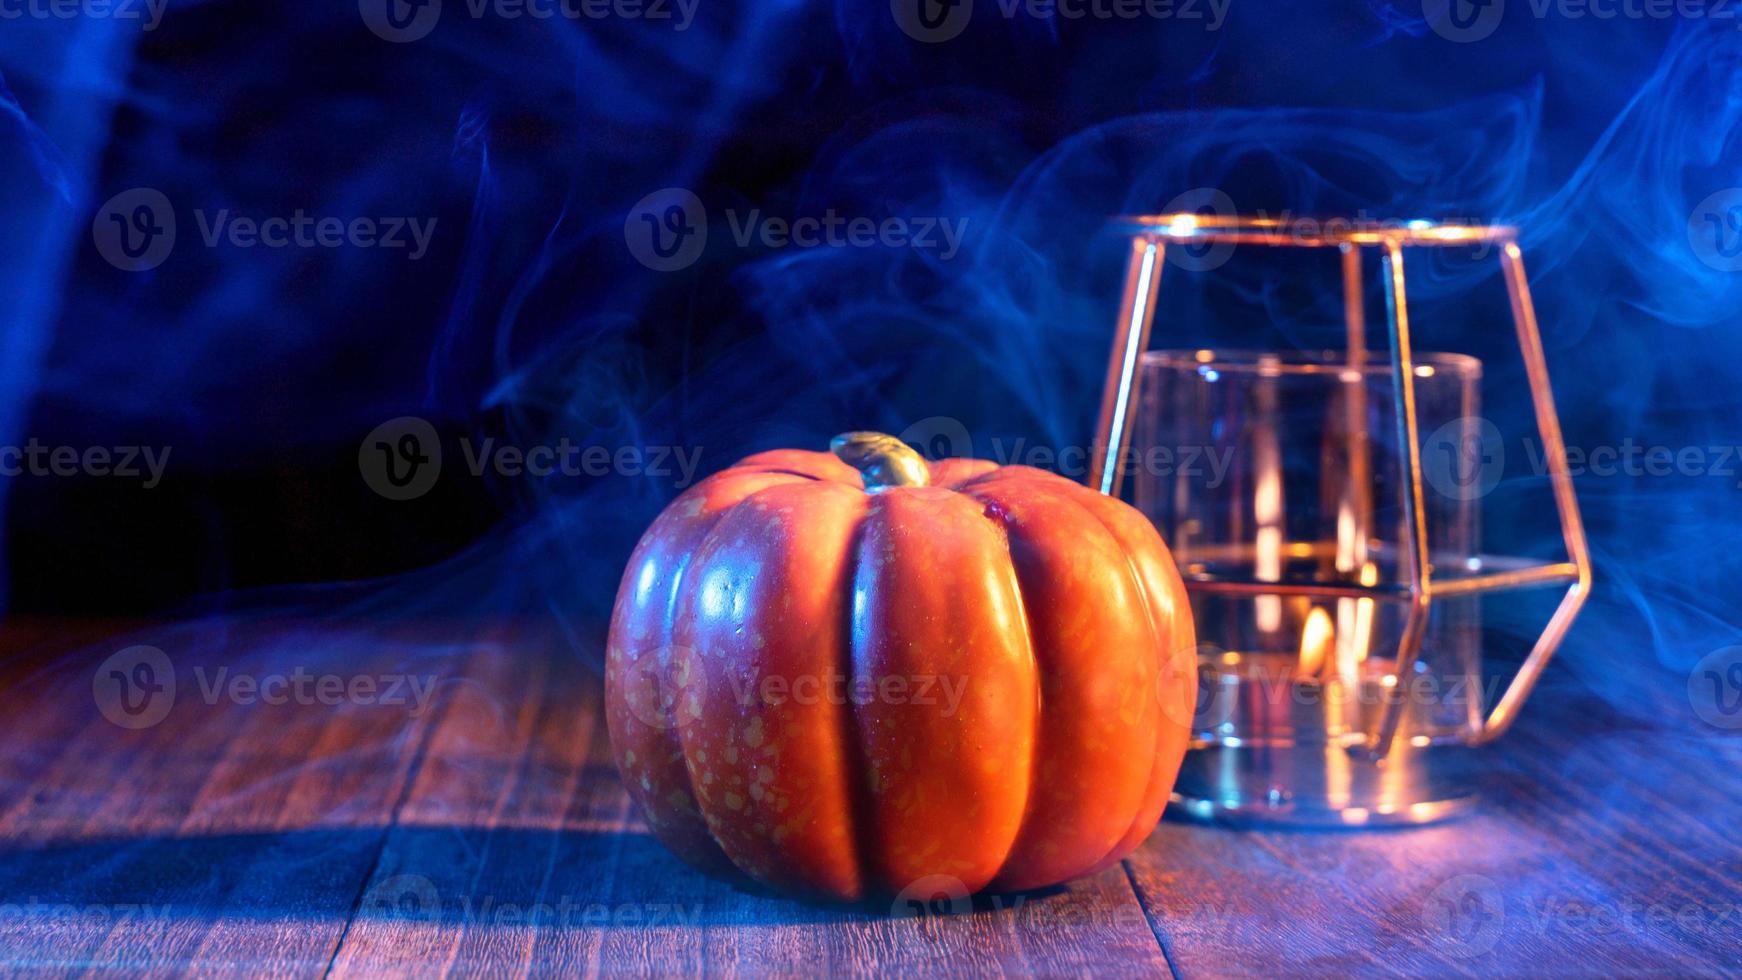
883, 461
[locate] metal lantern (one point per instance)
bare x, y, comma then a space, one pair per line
1287, 562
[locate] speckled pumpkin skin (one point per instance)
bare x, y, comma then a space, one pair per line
1053, 613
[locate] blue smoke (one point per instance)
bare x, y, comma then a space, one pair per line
529, 143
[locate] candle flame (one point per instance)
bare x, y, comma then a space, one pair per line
1316, 638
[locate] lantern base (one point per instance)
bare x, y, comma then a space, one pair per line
1324, 785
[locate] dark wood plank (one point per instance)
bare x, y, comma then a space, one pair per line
34, 656
517, 815
488, 833
1605, 846
230, 835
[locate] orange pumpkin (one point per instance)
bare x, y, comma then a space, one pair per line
845, 674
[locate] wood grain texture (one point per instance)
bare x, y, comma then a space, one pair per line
1600, 850
233, 834
486, 832
517, 852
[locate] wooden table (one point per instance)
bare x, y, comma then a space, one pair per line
486, 832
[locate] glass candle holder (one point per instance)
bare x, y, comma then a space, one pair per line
1282, 468
1322, 508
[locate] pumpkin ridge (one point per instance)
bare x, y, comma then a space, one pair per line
1160, 646
852, 735
1059, 491
711, 545
992, 512
681, 600
665, 626
702, 549
989, 511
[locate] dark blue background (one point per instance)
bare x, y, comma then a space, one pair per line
531, 141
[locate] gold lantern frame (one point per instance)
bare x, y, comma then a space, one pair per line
1150, 237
